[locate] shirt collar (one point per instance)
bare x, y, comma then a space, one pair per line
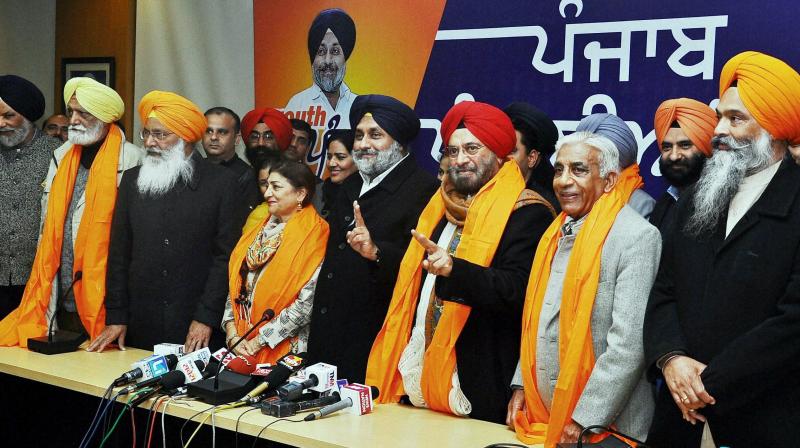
571, 226
344, 92
674, 192
372, 183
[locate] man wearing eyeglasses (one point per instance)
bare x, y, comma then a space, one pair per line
219, 143
79, 197
173, 230
265, 129
459, 294
56, 126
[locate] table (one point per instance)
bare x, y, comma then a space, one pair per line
389, 425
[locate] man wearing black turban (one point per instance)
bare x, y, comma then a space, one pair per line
326, 104
536, 140
370, 224
25, 153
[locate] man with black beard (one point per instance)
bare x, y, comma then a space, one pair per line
24, 154
684, 128
723, 319
371, 221
173, 231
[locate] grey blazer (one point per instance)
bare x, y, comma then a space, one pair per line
617, 391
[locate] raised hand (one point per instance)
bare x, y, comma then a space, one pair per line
438, 261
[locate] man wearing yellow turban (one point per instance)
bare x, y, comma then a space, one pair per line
68, 275
174, 228
723, 319
684, 128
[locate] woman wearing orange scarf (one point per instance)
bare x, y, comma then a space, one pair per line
275, 266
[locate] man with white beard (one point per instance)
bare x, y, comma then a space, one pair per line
723, 319
24, 154
370, 223
326, 104
68, 274
172, 234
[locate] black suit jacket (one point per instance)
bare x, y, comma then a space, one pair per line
734, 303
248, 196
168, 256
488, 348
353, 293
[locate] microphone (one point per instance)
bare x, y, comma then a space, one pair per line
187, 372
150, 367
356, 397
269, 313
288, 408
281, 372
64, 341
321, 377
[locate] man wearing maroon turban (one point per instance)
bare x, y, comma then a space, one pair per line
464, 276
264, 129
723, 319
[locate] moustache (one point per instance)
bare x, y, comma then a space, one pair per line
8, 129
78, 128
728, 141
365, 152
329, 67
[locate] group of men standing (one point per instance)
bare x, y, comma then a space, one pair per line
514, 291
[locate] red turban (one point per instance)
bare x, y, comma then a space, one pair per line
490, 124
275, 120
176, 113
696, 119
770, 90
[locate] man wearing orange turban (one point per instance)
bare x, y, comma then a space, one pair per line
724, 313
684, 128
458, 299
173, 231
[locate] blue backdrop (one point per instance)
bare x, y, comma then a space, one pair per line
571, 58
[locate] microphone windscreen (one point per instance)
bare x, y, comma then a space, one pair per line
172, 361
173, 380
278, 375
242, 364
375, 392
269, 313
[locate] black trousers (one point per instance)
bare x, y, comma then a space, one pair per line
10, 296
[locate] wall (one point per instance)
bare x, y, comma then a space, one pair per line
95, 28
205, 54
26, 53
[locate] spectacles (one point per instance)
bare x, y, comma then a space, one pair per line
160, 136
255, 136
469, 149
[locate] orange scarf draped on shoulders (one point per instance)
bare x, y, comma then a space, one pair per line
91, 246
538, 424
301, 251
486, 220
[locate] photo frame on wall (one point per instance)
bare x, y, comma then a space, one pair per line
100, 69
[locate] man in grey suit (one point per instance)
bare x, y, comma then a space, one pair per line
593, 196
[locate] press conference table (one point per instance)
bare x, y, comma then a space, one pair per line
388, 426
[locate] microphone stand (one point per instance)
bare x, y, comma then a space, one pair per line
268, 314
62, 342
234, 385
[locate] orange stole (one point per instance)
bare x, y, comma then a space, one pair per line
537, 424
300, 253
91, 246
486, 220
